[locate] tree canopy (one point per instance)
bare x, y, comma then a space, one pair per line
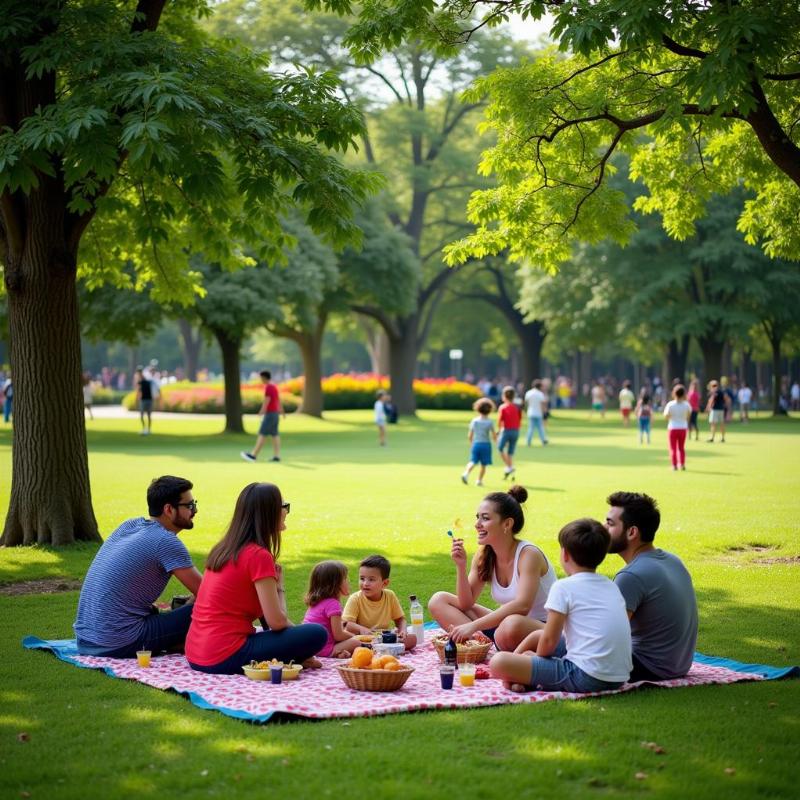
712, 85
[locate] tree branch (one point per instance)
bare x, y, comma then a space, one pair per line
680, 49
777, 76
147, 15
380, 316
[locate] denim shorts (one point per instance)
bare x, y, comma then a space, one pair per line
508, 437
269, 424
558, 674
481, 453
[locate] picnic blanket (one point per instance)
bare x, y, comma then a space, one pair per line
321, 694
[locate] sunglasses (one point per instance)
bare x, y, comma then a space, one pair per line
191, 505
287, 506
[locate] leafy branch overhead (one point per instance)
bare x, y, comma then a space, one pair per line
702, 96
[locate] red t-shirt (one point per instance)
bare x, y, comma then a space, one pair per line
271, 396
226, 605
510, 416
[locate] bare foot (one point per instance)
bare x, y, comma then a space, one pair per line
312, 663
519, 688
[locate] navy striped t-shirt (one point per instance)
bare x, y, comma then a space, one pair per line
129, 572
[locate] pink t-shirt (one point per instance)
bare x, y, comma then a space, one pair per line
321, 613
694, 400
226, 605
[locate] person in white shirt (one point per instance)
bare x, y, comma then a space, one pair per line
594, 654
627, 400
678, 411
380, 417
536, 404
745, 397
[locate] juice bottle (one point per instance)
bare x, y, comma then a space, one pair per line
415, 610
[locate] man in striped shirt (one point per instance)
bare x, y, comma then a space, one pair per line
116, 616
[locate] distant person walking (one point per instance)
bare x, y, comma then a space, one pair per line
380, 417
271, 409
598, 400
88, 394
677, 411
693, 398
644, 413
509, 421
536, 404
481, 434
745, 397
627, 400
718, 403
8, 398
144, 400
794, 396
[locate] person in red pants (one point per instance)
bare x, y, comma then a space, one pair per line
677, 412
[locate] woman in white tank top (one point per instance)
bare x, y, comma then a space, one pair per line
518, 572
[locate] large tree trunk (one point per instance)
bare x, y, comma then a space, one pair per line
230, 349
677, 354
403, 354
377, 345
531, 337
712, 357
310, 345
191, 342
50, 493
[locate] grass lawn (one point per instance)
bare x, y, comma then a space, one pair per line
732, 517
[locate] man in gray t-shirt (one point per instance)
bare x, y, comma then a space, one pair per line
657, 588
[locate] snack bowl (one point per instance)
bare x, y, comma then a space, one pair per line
256, 674
365, 638
292, 671
473, 651
374, 680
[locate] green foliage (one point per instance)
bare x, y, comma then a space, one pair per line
176, 138
713, 84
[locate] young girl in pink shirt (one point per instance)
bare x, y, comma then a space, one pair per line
328, 582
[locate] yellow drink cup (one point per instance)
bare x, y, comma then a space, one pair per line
143, 658
466, 674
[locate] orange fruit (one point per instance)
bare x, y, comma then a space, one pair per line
385, 660
362, 656
394, 666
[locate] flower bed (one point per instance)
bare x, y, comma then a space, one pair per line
340, 392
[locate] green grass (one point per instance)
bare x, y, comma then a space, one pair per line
91, 736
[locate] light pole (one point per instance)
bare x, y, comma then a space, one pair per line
456, 357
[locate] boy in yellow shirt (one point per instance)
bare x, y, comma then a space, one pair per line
374, 606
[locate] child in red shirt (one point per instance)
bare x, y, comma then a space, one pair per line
509, 421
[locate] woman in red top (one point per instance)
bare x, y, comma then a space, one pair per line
509, 421
241, 583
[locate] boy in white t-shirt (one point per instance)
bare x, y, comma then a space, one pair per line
380, 417
594, 654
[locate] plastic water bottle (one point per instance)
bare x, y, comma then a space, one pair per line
415, 612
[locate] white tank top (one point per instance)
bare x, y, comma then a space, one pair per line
505, 594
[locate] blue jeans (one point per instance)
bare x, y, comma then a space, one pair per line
296, 643
538, 424
7, 408
161, 632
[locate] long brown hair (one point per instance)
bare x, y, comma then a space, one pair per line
256, 519
508, 506
325, 581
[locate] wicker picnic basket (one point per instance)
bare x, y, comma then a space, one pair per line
374, 680
466, 653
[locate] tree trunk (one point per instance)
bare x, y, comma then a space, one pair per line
191, 342
531, 338
677, 354
775, 342
50, 493
403, 354
231, 371
310, 345
712, 358
377, 345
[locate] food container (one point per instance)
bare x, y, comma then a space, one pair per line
292, 671
256, 674
374, 680
398, 649
470, 652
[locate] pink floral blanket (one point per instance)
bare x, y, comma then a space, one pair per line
321, 694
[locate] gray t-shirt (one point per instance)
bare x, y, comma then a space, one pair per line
481, 428
658, 591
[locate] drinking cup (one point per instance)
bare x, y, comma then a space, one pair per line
446, 675
143, 658
276, 673
466, 674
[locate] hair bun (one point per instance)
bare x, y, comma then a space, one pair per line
519, 493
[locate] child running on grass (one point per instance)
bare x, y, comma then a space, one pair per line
594, 654
509, 421
327, 583
374, 607
481, 435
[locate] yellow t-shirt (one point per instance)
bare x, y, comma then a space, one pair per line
372, 613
